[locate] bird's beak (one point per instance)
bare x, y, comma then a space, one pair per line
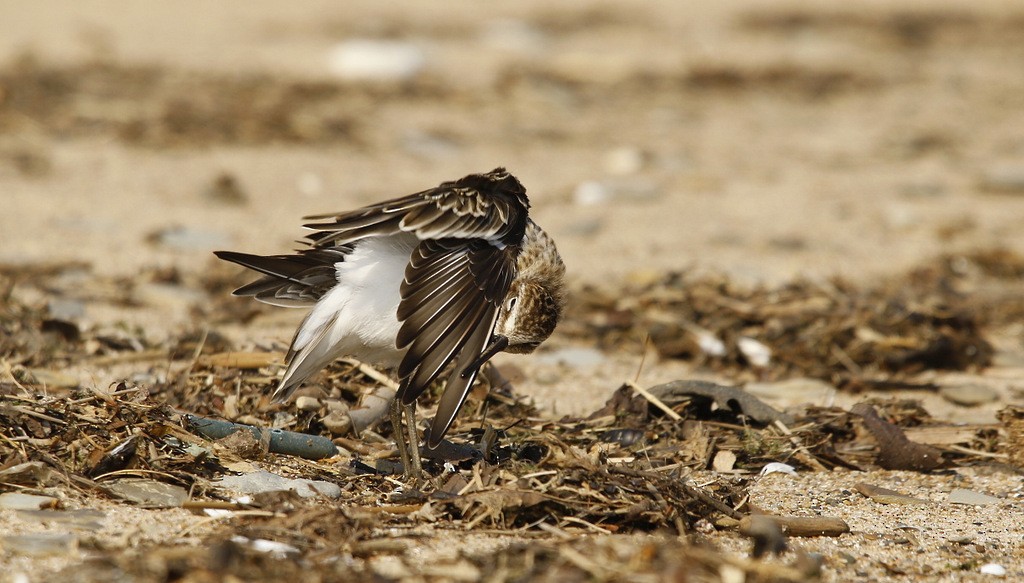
498, 343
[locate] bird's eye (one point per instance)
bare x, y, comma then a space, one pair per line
511, 303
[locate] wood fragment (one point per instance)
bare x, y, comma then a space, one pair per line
802, 526
242, 360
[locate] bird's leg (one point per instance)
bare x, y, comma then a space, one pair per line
398, 430
414, 441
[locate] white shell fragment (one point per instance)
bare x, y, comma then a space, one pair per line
992, 569
756, 353
777, 467
261, 545
375, 60
710, 344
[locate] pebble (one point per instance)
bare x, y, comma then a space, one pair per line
337, 422
305, 403
375, 60
969, 395
264, 481
962, 496
724, 461
148, 493
26, 473
19, 501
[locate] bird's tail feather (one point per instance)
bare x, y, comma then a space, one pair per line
308, 358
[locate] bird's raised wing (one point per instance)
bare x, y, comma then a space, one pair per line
491, 206
451, 296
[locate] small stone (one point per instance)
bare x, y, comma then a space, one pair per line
26, 473
307, 403
245, 445
962, 496
969, 395
960, 540
19, 501
724, 461
148, 493
375, 60
887, 496
337, 422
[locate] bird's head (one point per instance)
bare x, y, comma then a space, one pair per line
531, 311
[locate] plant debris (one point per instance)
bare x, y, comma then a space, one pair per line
631, 466
850, 336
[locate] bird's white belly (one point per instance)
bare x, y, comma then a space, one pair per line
364, 304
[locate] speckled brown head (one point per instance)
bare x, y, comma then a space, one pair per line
536, 299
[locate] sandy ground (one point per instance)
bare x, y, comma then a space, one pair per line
765, 140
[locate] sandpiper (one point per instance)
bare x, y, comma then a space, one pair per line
436, 281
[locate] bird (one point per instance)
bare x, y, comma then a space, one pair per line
436, 282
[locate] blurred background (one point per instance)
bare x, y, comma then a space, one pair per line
763, 139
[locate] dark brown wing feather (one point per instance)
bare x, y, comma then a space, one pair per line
490, 206
449, 317
457, 387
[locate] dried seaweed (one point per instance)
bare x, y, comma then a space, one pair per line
837, 331
627, 467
